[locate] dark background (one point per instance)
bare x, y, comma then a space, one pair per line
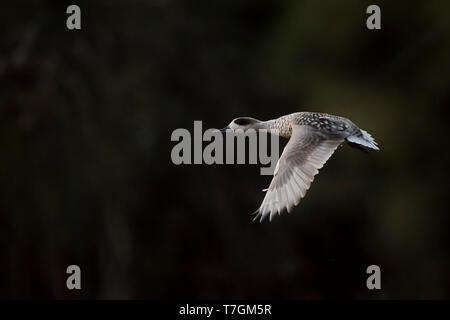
86, 176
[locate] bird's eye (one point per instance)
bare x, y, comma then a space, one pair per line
242, 121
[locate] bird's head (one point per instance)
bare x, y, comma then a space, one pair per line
243, 123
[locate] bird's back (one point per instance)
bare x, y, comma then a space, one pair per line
330, 126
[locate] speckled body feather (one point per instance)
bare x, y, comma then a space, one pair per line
326, 123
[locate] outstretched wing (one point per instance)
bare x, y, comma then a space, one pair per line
306, 152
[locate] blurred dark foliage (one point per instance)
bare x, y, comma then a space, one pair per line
86, 176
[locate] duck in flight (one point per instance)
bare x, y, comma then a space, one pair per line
313, 137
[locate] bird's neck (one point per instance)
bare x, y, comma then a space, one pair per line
278, 126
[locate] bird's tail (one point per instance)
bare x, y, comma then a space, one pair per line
363, 138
